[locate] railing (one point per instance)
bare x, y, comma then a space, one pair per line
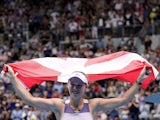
59, 35
119, 32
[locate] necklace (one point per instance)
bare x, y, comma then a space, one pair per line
78, 108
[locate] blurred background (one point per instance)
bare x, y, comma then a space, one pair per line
79, 28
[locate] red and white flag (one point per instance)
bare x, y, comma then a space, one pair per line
122, 65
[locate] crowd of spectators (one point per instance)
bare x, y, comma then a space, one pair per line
34, 28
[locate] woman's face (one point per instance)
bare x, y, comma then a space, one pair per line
76, 90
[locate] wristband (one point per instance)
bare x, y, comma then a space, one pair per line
138, 83
147, 72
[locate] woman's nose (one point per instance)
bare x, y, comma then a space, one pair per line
74, 86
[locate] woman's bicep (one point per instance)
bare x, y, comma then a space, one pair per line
106, 104
46, 104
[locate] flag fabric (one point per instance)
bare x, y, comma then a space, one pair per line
125, 66
154, 98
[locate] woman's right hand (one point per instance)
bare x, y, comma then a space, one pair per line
9, 71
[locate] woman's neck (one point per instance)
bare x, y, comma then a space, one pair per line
77, 104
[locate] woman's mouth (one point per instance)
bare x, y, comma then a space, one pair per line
75, 92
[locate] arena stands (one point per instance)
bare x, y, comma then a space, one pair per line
78, 28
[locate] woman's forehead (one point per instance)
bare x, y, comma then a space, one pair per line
76, 81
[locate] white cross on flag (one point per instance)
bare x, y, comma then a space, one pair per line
124, 66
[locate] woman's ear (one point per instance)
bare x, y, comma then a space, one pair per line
67, 85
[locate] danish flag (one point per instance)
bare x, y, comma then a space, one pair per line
125, 66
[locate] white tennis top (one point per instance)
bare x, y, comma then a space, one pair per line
70, 114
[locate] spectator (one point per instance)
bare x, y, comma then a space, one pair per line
114, 114
25, 112
144, 110
134, 109
147, 42
17, 112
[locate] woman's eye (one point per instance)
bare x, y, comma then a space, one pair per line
79, 86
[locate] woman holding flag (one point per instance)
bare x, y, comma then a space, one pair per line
76, 107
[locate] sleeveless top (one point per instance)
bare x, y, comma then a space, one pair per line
70, 114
